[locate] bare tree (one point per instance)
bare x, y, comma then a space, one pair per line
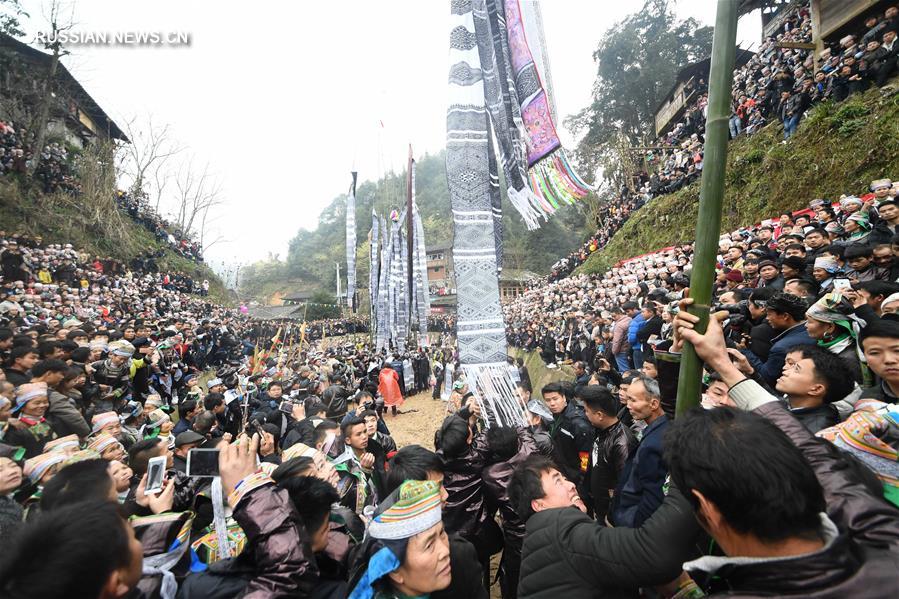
145, 158
204, 243
197, 193
60, 17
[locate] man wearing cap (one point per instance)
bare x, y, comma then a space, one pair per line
215, 386
184, 442
31, 409
113, 375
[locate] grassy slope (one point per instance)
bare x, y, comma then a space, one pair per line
839, 148
23, 210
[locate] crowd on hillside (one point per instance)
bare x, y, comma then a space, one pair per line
142, 213
615, 214
54, 171
569, 319
775, 85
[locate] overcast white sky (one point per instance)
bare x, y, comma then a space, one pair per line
283, 99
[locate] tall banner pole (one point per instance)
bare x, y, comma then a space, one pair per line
410, 232
711, 196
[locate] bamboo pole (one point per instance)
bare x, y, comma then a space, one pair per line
711, 196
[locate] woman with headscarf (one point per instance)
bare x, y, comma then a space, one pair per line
824, 270
407, 552
831, 323
890, 305
850, 205
857, 228
31, 408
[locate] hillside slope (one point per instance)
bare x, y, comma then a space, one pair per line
59, 218
838, 149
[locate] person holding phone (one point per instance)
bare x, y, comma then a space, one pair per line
278, 551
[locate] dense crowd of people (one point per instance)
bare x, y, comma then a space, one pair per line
615, 213
777, 84
115, 391
153, 444
140, 210
54, 170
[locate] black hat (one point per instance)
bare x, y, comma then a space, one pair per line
794, 262
188, 437
291, 468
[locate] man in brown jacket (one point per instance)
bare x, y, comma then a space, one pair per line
620, 346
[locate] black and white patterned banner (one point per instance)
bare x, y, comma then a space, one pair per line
351, 245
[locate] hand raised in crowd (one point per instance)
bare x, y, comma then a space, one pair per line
709, 346
16, 424
740, 361
238, 461
157, 502
855, 297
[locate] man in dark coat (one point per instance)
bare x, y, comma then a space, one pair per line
464, 453
568, 554
786, 315
652, 327
571, 433
822, 529
613, 446
508, 448
640, 487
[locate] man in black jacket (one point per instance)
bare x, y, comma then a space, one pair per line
652, 326
760, 332
335, 398
568, 554
572, 435
613, 446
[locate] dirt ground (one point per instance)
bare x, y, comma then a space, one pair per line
420, 418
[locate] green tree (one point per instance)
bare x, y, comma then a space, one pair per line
637, 60
322, 305
11, 14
